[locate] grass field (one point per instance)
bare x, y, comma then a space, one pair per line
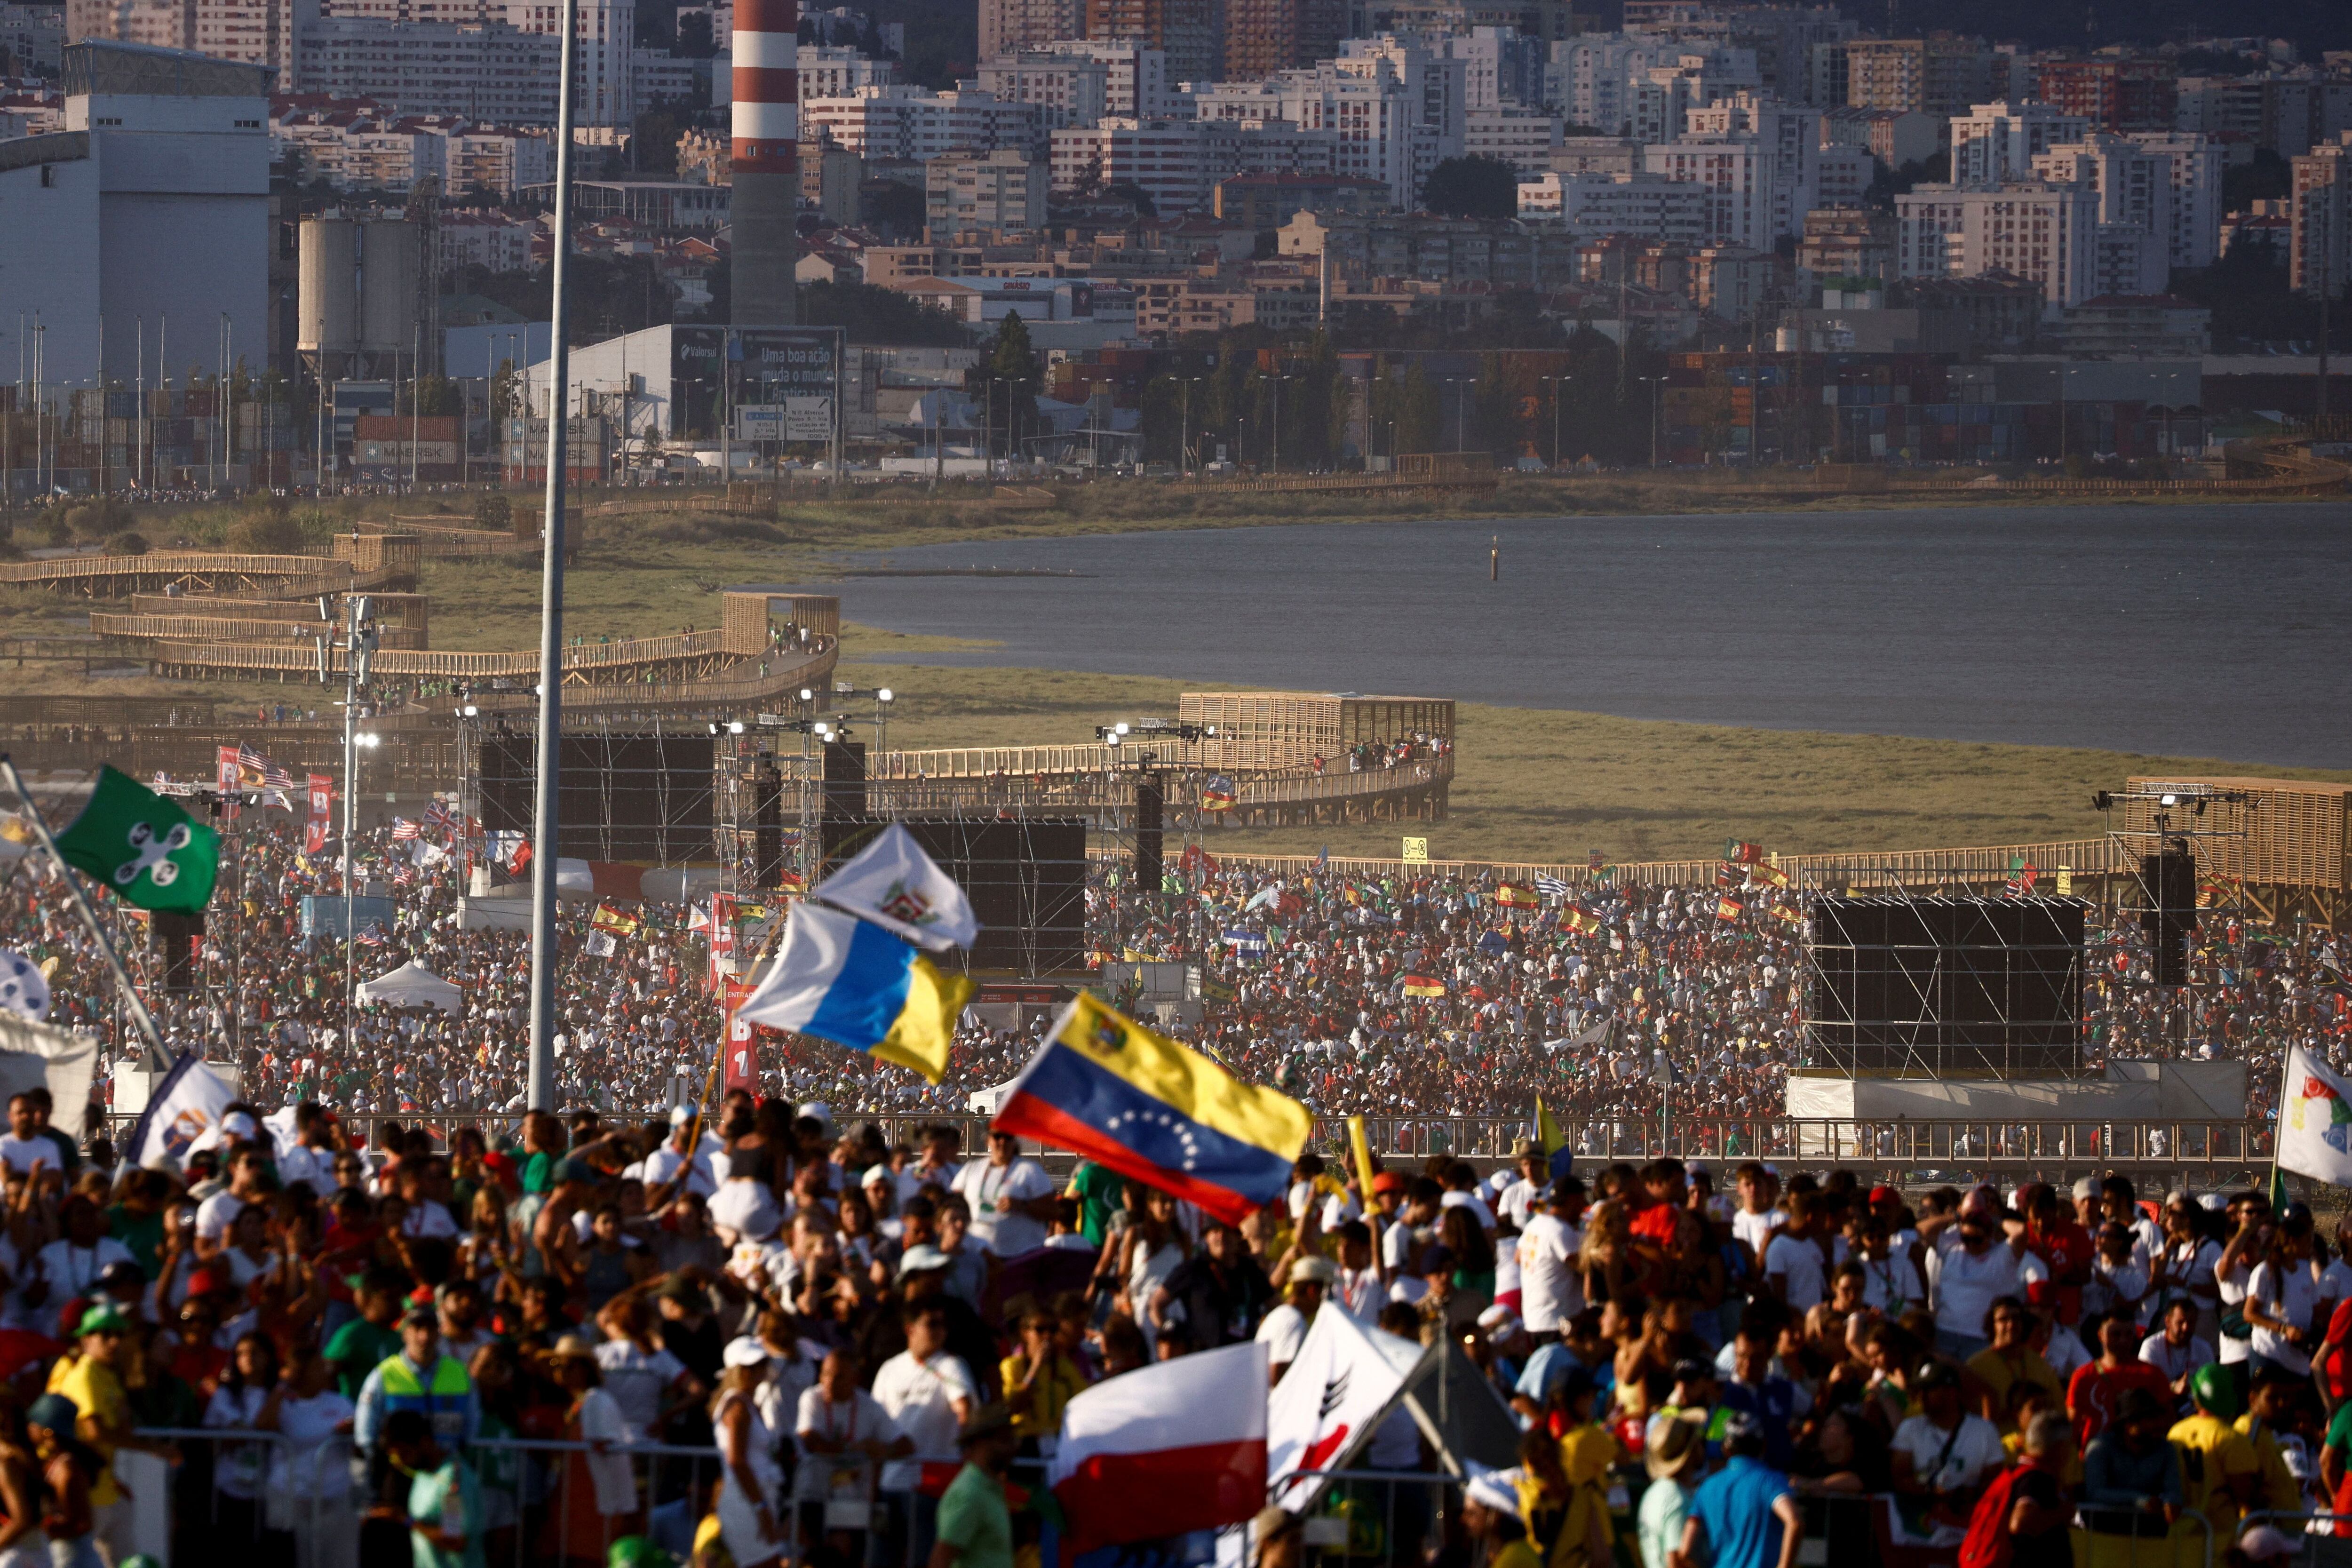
1531, 783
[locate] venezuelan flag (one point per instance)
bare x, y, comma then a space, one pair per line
848, 980
1156, 1110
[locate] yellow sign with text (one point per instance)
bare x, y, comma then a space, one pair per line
1416, 851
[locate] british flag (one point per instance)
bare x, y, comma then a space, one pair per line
401, 829
440, 818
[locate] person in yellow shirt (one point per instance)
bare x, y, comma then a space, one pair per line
1588, 1451
2220, 1473
1039, 1380
2273, 1393
1490, 1514
95, 1386
2010, 1360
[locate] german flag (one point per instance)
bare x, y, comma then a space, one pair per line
1581, 924
1511, 896
1422, 985
1729, 908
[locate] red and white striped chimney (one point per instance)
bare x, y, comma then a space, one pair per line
765, 156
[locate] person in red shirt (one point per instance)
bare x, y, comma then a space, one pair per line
1664, 1182
2097, 1390
2058, 1238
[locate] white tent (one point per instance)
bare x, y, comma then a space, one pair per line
412, 986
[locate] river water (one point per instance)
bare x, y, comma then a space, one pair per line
2187, 631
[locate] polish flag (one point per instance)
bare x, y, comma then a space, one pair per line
1165, 1449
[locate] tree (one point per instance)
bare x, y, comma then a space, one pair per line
893, 206
1134, 196
1006, 385
876, 315
1476, 186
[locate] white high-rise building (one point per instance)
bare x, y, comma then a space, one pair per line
1137, 84
1649, 207
1997, 141
1737, 171
2046, 234
1067, 89
1793, 134
2193, 166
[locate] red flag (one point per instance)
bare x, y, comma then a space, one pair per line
230, 782
740, 1067
322, 812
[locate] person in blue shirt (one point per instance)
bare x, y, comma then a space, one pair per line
1753, 1389
1745, 1515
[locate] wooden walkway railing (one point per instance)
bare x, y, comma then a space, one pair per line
120, 576
270, 659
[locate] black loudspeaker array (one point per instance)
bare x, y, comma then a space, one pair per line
643, 799
1962, 987
1149, 797
766, 824
1026, 878
173, 938
844, 781
2169, 918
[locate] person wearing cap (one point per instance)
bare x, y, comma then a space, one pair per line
1284, 1328
1746, 1514
421, 1377
1490, 1514
1673, 1454
975, 1522
2223, 1474
2131, 1475
598, 1491
1502, 1343
749, 1472
93, 1382
1551, 1284
1944, 1451
880, 1185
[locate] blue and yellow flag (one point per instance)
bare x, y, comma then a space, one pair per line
1158, 1112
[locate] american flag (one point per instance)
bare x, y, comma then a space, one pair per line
402, 829
372, 937
260, 773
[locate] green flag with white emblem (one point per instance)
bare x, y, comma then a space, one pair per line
151, 853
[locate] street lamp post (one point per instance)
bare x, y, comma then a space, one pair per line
1657, 397
1558, 384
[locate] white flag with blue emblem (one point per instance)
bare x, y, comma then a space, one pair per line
2314, 1131
185, 1106
893, 884
23, 988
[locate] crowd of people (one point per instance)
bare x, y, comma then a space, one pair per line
771, 1337
1454, 996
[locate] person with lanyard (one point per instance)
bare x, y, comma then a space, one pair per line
1012, 1199
842, 1433
67, 1269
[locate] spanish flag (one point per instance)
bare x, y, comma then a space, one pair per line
1511, 896
1728, 908
1579, 921
1763, 876
1424, 985
1789, 912
607, 918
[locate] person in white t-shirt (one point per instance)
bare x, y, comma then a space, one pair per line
1976, 1270
842, 1432
1551, 1287
1795, 1266
927, 1393
2286, 1306
25, 1147
2251, 1217
1944, 1450
1523, 1197
2179, 1350
1012, 1199
1758, 1218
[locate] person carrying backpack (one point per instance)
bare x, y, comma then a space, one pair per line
2023, 1518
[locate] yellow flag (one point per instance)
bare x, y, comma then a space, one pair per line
1362, 1151
921, 1037
1548, 1132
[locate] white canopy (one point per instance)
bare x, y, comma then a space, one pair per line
412, 986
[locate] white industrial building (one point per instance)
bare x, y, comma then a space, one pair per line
144, 224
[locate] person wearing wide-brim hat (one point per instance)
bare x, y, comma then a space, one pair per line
1673, 1454
599, 1492
975, 1522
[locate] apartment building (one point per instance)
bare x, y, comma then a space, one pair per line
984, 193
2044, 234
1938, 75
1993, 142
916, 123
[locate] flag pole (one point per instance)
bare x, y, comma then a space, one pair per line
158, 1059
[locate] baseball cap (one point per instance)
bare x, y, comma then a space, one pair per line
1883, 1194
1388, 1181
1313, 1271
875, 1174
238, 1124
746, 1352
1499, 1320
101, 1321
121, 1274
2086, 1187
1488, 1491
922, 1259
679, 1116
